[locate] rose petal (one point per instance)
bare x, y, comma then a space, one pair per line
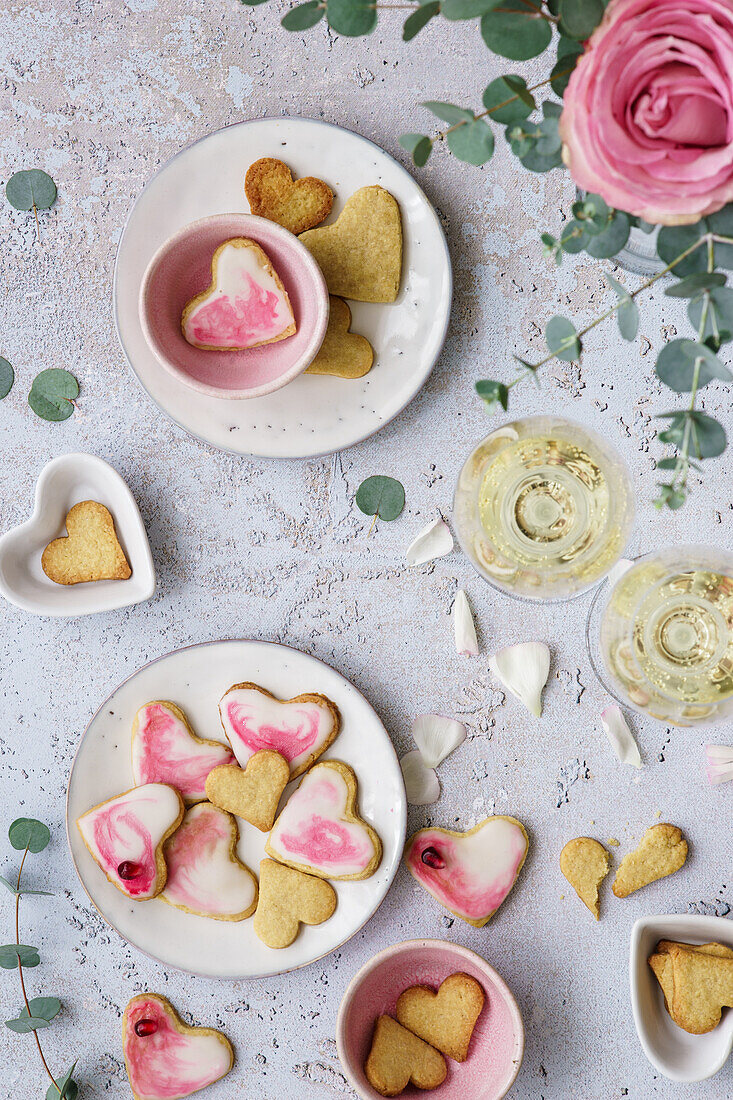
422, 785
616, 729
464, 629
523, 669
434, 541
436, 737
720, 763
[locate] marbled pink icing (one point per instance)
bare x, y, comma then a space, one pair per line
480, 868
168, 1065
253, 721
237, 323
290, 740
202, 876
163, 751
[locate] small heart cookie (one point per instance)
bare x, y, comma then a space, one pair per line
662, 964
252, 793
90, 551
319, 830
445, 1019
661, 851
165, 1058
166, 750
295, 204
289, 898
703, 987
343, 354
360, 255
398, 1058
585, 863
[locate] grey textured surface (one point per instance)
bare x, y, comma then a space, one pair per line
100, 94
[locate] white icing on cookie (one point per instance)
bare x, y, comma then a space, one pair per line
202, 876
299, 731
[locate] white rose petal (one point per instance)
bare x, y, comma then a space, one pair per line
464, 629
436, 737
434, 541
616, 729
720, 763
422, 785
523, 669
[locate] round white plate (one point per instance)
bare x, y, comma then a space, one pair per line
195, 678
314, 415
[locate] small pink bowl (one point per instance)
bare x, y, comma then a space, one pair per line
181, 268
497, 1044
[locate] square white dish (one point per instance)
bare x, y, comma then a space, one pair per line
675, 1053
63, 482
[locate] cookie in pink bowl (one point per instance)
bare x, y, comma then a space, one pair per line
181, 270
497, 1043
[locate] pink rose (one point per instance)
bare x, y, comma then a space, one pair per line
647, 121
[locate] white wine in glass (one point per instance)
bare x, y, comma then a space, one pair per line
666, 635
543, 508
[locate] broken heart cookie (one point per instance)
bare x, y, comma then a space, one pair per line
165, 1058
252, 793
343, 354
245, 306
166, 750
90, 551
445, 1019
398, 1058
125, 836
470, 873
661, 851
204, 874
289, 898
300, 729
585, 863
360, 255
295, 204
320, 832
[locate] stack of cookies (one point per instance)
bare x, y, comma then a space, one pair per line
697, 982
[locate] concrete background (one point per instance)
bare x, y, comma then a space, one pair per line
100, 94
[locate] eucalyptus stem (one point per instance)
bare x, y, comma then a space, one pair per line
441, 134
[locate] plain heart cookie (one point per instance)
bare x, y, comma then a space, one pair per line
205, 876
295, 204
445, 1019
585, 863
703, 987
90, 551
319, 831
360, 255
245, 306
661, 964
343, 354
165, 1058
252, 793
398, 1058
289, 898
125, 836
300, 729
470, 873
166, 750
661, 851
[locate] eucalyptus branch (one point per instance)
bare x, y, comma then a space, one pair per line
441, 134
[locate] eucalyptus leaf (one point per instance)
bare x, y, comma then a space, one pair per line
493, 393
7, 377
31, 188
568, 53
675, 432
303, 16
12, 954
539, 162
516, 30
466, 9
508, 102
52, 394
721, 222
612, 239
693, 285
574, 237
579, 18
8, 885
27, 832
23, 1025
352, 18
673, 240
65, 1088
381, 496
627, 313
473, 142
719, 315
676, 365
419, 19
419, 145
708, 435
448, 112
562, 339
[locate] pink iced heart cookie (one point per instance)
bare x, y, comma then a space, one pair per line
204, 874
125, 836
165, 1059
470, 873
166, 750
245, 306
300, 729
320, 831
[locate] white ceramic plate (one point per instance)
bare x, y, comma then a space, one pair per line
195, 678
675, 1053
314, 415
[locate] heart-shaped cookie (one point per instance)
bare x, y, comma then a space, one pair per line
585, 863
445, 1019
90, 551
398, 1058
204, 874
246, 304
166, 750
252, 793
343, 354
289, 898
470, 873
319, 830
661, 851
360, 255
165, 1058
125, 836
300, 729
295, 204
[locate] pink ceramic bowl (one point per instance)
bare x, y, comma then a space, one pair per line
497, 1044
181, 268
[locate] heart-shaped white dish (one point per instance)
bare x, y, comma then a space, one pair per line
675, 1053
63, 482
